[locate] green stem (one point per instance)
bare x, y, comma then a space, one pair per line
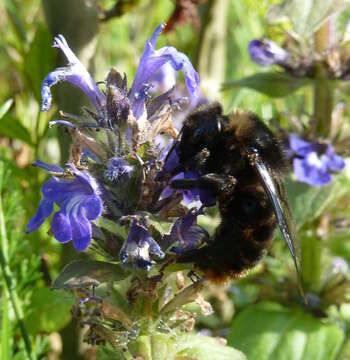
5, 326
323, 107
323, 89
311, 262
15, 302
211, 54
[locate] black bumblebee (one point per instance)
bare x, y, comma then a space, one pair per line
242, 165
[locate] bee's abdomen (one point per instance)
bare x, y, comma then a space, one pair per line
241, 240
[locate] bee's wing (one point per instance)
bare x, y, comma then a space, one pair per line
277, 195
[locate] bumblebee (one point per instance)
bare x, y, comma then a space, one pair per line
242, 164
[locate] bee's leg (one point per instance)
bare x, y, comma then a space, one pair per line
194, 277
217, 184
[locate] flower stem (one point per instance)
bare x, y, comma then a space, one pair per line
322, 114
311, 262
323, 89
15, 302
212, 47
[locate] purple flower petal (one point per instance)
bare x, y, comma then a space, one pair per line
334, 161
62, 122
267, 53
311, 170
151, 61
168, 191
48, 167
164, 79
92, 207
189, 195
75, 73
90, 184
61, 227
313, 162
186, 233
299, 146
87, 154
44, 211
79, 199
139, 245
64, 190
81, 230
172, 160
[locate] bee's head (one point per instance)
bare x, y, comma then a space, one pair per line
201, 130
252, 133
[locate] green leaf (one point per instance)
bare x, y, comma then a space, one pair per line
305, 15
49, 311
12, 12
338, 243
83, 273
206, 348
269, 83
170, 347
5, 107
316, 198
40, 60
13, 129
269, 331
111, 226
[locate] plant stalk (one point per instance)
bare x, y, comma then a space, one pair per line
323, 88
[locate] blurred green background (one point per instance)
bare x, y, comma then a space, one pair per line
261, 314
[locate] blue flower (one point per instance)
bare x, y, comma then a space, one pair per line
314, 162
79, 201
171, 160
174, 169
193, 194
151, 61
186, 233
267, 53
117, 168
139, 245
164, 79
75, 73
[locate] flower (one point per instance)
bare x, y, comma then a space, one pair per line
79, 201
151, 61
75, 73
164, 79
139, 245
313, 162
117, 168
186, 233
267, 52
155, 67
173, 166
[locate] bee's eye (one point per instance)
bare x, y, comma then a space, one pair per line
252, 150
205, 132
